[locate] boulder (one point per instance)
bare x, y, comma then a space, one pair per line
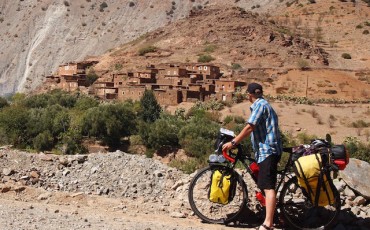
354, 175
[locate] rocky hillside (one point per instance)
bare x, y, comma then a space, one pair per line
38, 35
144, 185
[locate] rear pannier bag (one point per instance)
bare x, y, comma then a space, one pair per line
223, 186
340, 156
309, 174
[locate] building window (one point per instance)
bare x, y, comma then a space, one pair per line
174, 72
205, 67
200, 67
123, 93
168, 72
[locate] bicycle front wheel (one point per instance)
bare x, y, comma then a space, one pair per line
300, 213
211, 212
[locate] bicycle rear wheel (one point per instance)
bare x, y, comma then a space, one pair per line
299, 212
213, 212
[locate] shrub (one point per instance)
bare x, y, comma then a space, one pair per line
66, 3
3, 102
331, 91
205, 58
210, 48
236, 66
346, 56
357, 149
188, 166
198, 136
359, 26
43, 141
103, 5
131, 4
303, 64
360, 124
365, 32
147, 49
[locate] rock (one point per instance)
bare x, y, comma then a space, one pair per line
355, 210
359, 201
354, 175
81, 158
44, 196
66, 172
8, 171
34, 174
45, 157
5, 188
177, 215
349, 193
177, 184
339, 184
63, 161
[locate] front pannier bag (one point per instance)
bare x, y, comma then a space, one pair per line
309, 174
223, 186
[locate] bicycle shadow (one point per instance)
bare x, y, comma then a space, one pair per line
348, 219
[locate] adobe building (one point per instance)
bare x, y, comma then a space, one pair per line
73, 68
73, 82
171, 83
105, 90
168, 97
229, 86
130, 92
119, 79
208, 71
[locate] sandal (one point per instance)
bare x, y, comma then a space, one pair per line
265, 227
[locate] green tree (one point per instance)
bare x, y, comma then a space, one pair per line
164, 132
13, 123
197, 137
91, 76
86, 102
43, 141
3, 102
150, 110
109, 123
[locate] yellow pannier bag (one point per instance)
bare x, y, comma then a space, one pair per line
221, 190
308, 170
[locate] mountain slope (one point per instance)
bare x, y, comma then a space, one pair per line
38, 35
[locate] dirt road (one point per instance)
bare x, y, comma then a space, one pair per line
36, 209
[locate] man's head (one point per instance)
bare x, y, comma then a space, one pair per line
254, 90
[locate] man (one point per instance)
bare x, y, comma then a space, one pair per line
262, 125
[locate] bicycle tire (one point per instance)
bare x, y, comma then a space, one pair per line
213, 212
298, 211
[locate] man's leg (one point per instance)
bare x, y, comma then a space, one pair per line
270, 207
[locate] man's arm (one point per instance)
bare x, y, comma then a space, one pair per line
247, 130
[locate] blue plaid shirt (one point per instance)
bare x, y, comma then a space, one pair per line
265, 137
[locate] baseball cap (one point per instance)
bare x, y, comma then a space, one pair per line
254, 88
